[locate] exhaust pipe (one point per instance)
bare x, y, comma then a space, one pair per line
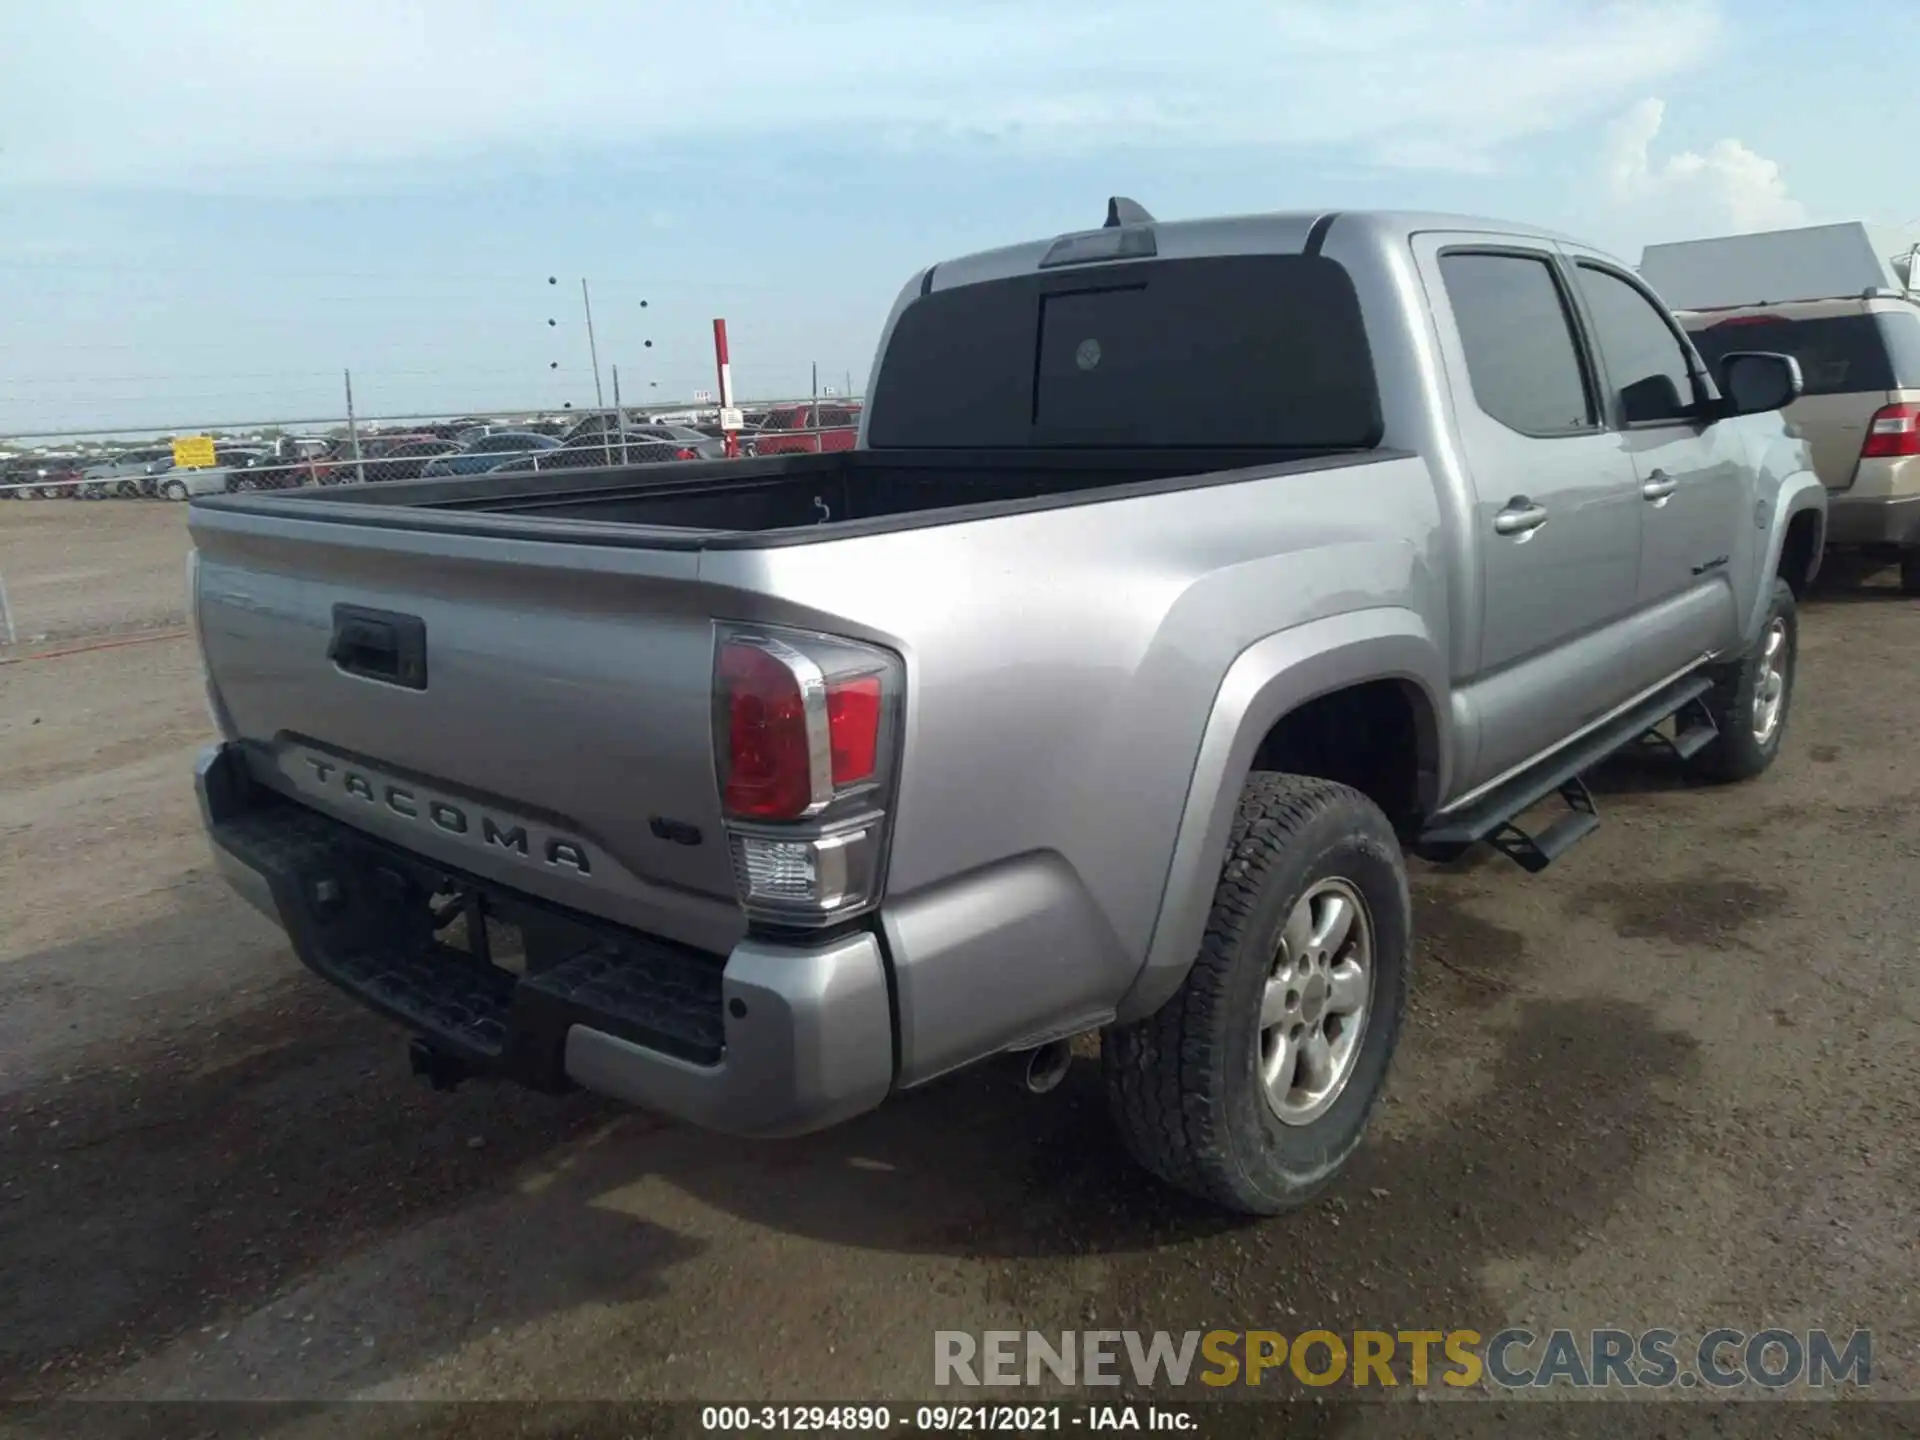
1047, 1066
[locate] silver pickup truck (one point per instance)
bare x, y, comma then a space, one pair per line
1186, 577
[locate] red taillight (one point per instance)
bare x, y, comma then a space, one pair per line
769, 752
798, 728
853, 725
1893, 433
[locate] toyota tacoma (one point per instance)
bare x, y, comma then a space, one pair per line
1185, 579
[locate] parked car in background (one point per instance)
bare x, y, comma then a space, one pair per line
1839, 299
1860, 412
700, 445
380, 458
232, 459
487, 452
129, 473
185, 482
807, 429
18, 475
598, 449
44, 477
238, 456
403, 458
598, 423
283, 462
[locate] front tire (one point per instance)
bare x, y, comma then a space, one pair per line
1751, 698
1910, 572
1255, 1082
174, 490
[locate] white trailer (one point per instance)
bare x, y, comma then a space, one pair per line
1772, 267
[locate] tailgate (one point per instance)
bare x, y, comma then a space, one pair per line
558, 739
1835, 428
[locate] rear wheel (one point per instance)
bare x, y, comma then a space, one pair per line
1255, 1082
1910, 572
1751, 699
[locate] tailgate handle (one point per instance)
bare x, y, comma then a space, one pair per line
380, 645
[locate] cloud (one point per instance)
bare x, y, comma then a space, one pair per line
1729, 187
182, 93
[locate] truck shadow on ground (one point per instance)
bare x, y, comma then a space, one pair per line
160, 1184
189, 1182
1576, 1097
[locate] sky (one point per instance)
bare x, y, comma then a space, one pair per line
211, 209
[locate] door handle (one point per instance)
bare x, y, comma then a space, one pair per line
1521, 517
1659, 486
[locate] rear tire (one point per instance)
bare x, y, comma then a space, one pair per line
1219, 1092
1910, 572
1751, 699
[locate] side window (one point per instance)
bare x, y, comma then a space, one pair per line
1646, 364
1522, 357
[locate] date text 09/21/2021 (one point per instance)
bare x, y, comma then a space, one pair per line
962, 1419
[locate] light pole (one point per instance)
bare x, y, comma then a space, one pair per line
593, 350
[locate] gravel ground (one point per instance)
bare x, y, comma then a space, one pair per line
75, 568
1669, 1083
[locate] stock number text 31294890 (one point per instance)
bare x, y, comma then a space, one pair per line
1019, 1419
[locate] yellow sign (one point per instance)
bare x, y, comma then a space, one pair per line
193, 452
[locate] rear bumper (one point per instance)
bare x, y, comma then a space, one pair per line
770, 1040
1873, 519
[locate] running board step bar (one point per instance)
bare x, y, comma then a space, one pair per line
1491, 818
1533, 853
1693, 730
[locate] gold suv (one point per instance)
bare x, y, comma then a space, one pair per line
1859, 413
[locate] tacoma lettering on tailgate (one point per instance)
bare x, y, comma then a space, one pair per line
462, 820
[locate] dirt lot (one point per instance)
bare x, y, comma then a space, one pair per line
1672, 1082
72, 568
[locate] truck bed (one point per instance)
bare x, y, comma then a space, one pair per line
708, 504
564, 629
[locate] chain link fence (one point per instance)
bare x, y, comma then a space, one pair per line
73, 570
178, 463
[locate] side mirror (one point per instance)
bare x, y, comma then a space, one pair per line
1654, 398
1753, 382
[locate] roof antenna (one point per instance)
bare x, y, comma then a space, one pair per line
1122, 211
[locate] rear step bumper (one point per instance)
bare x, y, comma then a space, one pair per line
772, 1040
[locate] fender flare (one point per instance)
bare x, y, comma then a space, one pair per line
1266, 682
1799, 493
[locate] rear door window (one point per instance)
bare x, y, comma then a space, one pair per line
1838, 354
1516, 328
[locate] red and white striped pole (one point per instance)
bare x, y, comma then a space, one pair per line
725, 368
